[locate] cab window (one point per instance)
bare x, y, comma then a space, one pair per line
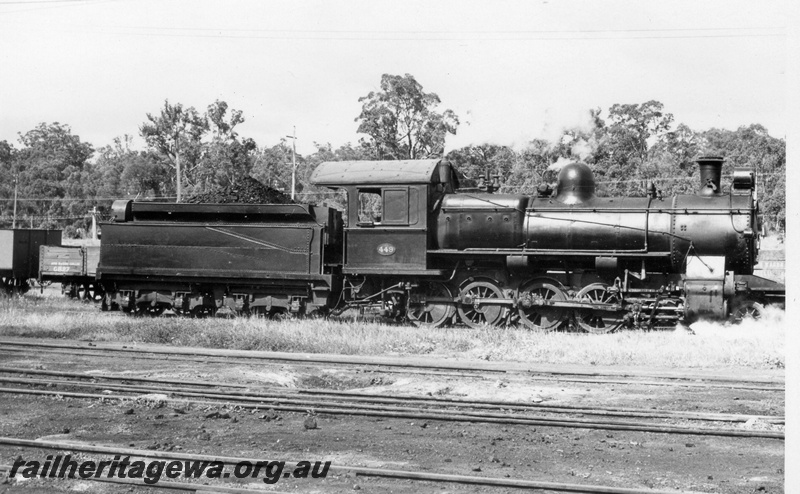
370, 206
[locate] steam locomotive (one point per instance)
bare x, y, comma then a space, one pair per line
411, 246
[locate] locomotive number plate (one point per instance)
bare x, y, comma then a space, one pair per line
386, 249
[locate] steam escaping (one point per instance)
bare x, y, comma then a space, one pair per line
772, 319
580, 150
490, 126
583, 149
560, 163
758, 344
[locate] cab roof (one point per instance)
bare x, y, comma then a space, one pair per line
394, 172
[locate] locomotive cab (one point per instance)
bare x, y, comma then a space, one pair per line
387, 230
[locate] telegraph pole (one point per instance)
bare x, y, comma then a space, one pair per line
293, 137
14, 220
178, 166
93, 212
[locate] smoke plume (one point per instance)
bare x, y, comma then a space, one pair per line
489, 126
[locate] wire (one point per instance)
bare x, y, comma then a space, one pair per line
412, 35
31, 2
23, 219
50, 5
87, 199
410, 38
465, 32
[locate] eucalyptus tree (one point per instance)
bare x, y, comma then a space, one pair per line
176, 134
402, 122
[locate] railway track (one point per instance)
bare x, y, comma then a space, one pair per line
253, 396
225, 360
461, 369
358, 471
246, 390
415, 408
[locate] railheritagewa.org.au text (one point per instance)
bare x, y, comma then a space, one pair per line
151, 472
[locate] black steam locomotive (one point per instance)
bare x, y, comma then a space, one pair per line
411, 247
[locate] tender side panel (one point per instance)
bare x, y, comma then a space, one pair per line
218, 250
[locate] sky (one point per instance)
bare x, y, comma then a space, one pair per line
511, 70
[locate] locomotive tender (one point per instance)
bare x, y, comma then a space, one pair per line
413, 247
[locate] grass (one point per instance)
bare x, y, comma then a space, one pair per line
757, 345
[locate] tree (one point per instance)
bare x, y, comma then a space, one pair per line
50, 167
534, 166
401, 120
474, 161
176, 135
7, 186
346, 152
753, 147
121, 172
145, 175
102, 178
6, 153
221, 129
633, 126
625, 143
273, 166
227, 157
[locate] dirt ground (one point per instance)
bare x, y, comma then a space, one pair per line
584, 456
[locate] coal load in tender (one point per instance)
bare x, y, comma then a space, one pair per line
245, 191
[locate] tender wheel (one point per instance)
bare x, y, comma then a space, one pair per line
430, 313
149, 310
203, 311
259, 312
97, 292
89, 291
598, 322
477, 307
532, 311
14, 287
280, 314
747, 310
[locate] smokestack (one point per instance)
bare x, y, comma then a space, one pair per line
710, 175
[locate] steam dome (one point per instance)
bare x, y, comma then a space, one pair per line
575, 184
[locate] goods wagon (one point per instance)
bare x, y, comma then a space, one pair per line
19, 256
75, 267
